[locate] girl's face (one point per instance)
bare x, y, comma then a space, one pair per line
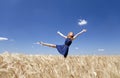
71, 34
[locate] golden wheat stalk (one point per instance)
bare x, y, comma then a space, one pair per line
43, 66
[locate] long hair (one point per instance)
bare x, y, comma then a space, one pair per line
70, 35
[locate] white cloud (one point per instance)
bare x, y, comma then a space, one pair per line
101, 49
76, 48
3, 38
82, 22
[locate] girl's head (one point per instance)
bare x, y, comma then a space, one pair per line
70, 35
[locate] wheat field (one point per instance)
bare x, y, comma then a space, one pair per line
51, 66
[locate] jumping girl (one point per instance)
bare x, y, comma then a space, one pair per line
63, 49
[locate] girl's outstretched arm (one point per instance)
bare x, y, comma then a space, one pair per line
61, 34
84, 30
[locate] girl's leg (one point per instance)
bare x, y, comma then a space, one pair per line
47, 44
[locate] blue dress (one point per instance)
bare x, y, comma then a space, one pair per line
63, 49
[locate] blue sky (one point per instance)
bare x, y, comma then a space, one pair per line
24, 22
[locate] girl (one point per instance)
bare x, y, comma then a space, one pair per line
63, 49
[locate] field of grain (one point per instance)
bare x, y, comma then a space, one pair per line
51, 66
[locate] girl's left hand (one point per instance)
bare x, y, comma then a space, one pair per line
84, 30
